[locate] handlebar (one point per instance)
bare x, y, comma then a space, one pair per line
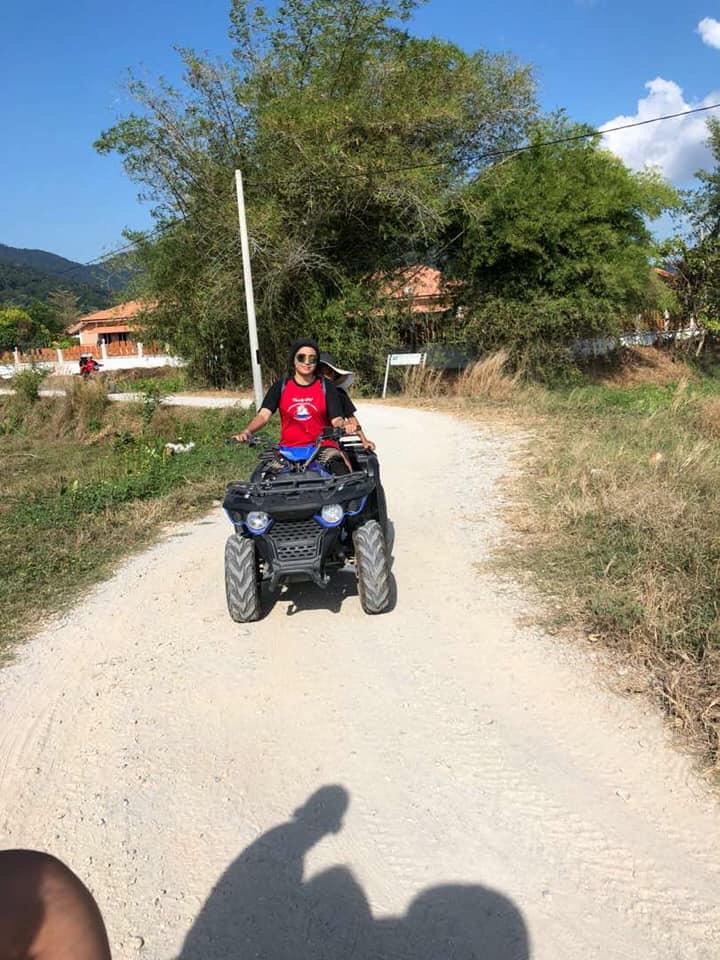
252, 442
329, 433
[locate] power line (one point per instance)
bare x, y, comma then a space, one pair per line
509, 151
489, 155
114, 253
575, 137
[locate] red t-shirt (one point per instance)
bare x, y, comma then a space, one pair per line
305, 410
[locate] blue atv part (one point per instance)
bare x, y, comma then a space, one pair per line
296, 454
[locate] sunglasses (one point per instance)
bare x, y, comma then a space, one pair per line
309, 358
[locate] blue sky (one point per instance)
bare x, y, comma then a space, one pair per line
62, 67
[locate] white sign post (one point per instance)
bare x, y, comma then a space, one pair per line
402, 360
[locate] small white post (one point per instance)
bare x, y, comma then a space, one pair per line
103, 349
249, 299
59, 354
16, 357
387, 373
140, 350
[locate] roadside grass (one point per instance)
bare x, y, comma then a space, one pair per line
617, 521
84, 483
163, 381
616, 516
487, 379
27, 383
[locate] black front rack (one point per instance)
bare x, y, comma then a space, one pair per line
295, 492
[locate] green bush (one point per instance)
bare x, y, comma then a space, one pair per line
26, 383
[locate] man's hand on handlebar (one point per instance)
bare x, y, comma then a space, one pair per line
332, 433
244, 437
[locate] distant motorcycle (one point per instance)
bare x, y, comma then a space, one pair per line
88, 365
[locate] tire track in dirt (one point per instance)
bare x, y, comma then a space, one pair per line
148, 740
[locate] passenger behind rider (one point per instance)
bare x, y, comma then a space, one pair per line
342, 379
307, 405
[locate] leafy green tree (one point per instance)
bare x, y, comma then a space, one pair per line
694, 254
64, 310
555, 245
355, 139
16, 328
702, 205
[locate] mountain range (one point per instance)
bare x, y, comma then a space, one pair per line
26, 275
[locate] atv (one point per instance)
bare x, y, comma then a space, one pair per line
294, 521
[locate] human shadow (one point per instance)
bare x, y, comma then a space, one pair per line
263, 907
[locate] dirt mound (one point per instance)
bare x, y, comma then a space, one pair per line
634, 365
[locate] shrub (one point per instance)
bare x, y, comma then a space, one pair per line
26, 383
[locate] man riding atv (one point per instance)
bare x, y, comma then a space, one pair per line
309, 508
307, 404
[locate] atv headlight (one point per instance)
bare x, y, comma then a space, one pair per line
257, 521
332, 514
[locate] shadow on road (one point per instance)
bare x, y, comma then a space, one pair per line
343, 584
263, 908
301, 597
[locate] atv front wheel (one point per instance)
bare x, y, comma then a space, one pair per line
373, 569
242, 587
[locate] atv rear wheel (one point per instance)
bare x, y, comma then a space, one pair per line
373, 569
242, 586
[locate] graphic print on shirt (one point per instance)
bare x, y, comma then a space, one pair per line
301, 408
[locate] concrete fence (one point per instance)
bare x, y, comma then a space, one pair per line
600, 346
113, 356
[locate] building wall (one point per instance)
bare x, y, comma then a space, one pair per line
91, 338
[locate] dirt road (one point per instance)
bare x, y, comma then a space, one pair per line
485, 797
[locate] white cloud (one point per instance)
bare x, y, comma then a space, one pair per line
676, 147
709, 30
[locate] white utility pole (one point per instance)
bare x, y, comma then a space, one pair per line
249, 299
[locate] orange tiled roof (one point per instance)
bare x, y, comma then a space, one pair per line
414, 282
422, 288
122, 312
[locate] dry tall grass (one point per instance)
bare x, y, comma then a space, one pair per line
488, 378
622, 521
423, 382
708, 418
82, 409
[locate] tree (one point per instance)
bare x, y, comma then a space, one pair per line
354, 137
694, 254
555, 245
36, 325
16, 329
702, 205
64, 307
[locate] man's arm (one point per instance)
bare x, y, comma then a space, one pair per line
268, 408
257, 423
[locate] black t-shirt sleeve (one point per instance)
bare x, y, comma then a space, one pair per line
348, 407
272, 397
333, 401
